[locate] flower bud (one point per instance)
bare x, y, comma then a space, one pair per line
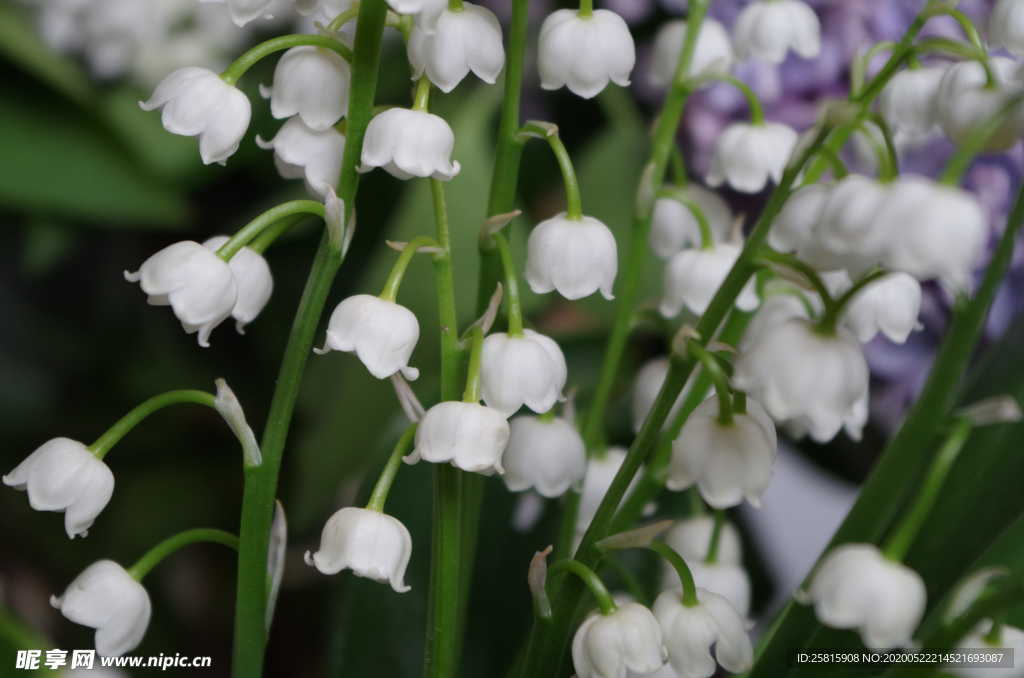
469, 436
382, 333
312, 83
857, 587
525, 370
546, 455
691, 632
625, 642
197, 102
576, 257
889, 305
63, 475
767, 30
674, 227
965, 102
713, 53
371, 544
693, 276
456, 43
407, 144
748, 156
909, 103
105, 597
584, 52
302, 153
198, 285
253, 279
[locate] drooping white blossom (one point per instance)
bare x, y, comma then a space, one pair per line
197, 102
456, 43
626, 642
407, 143
1006, 26
674, 226
303, 153
857, 587
712, 55
107, 598
382, 333
849, 234
63, 475
691, 633
312, 83
909, 103
522, 370
747, 156
575, 257
693, 276
546, 455
889, 305
729, 580
584, 53
253, 280
372, 544
1009, 638
768, 29
469, 436
965, 102
799, 217
198, 285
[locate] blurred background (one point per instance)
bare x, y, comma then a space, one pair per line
90, 186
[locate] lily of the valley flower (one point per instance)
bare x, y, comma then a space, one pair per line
818, 382
456, 43
303, 153
626, 642
909, 103
747, 156
407, 143
253, 279
729, 580
546, 455
1007, 637
889, 305
198, 285
584, 53
713, 54
857, 587
469, 436
800, 216
848, 235
107, 598
674, 226
197, 102
964, 101
63, 475
691, 631
1006, 26
312, 83
522, 370
382, 333
694, 275
370, 543
768, 29
728, 462
576, 257
648, 383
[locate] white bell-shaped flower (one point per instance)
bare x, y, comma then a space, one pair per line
889, 305
693, 276
1006, 26
1010, 637
965, 102
626, 642
303, 153
63, 475
575, 257
546, 455
727, 462
799, 217
407, 144
713, 53
370, 543
253, 279
767, 30
197, 102
849, 235
648, 383
857, 587
747, 156
728, 580
908, 103
801, 375
674, 227
601, 470
937, 231
246, 11
455, 44
468, 436
312, 83
198, 285
382, 333
774, 310
691, 538
583, 53
526, 370
105, 597
691, 632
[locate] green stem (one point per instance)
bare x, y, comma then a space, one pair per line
343, 18
681, 568
454, 5
549, 132
587, 576
267, 221
860, 65
707, 237
260, 488
716, 537
830, 319
807, 271
446, 296
250, 57
718, 377
899, 541
125, 424
888, 158
421, 98
387, 476
264, 240
397, 274
472, 392
586, 8
168, 546
515, 309
678, 164
753, 103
